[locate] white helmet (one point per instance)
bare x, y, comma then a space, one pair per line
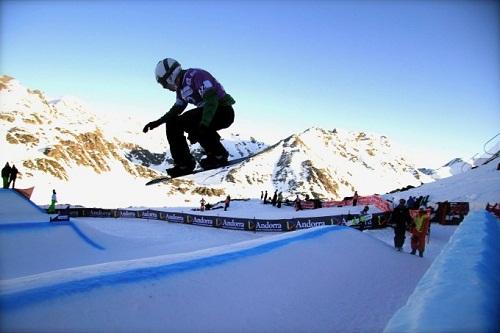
167, 71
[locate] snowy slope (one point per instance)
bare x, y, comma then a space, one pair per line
284, 283
460, 291
477, 186
157, 276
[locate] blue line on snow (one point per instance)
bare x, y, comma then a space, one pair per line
85, 238
24, 298
24, 226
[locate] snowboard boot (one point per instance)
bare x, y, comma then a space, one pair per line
213, 162
181, 169
413, 252
421, 254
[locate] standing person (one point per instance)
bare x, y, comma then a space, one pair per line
52, 207
275, 198
355, 198
280, 200
265, 197
419, 230
261, 195
227, 202
401, 219
363, 218
202, 204
410, 203
5, 175
13, 176
213, 112
297, 204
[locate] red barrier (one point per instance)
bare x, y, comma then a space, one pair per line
26, 192
374, 200
307, 205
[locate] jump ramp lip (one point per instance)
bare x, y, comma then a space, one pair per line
20, 292
17, 209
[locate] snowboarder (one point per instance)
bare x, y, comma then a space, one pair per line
419, 230
13, 176
5, 175
213, 112
52, 207
401, 219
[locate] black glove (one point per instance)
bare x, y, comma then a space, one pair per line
152, 125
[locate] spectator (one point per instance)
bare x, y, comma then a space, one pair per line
52, 207
5, 175
265, 197
363, 218
13, 176
410, 203
280, 200
261, 195
297, 204
202, 204
419, 230
401, 219
355, 198
275, 198
227, 202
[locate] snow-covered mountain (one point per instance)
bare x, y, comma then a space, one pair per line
458, 166
97, 161
61, 144
454, 167
326, 164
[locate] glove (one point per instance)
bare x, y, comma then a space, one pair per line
152, 125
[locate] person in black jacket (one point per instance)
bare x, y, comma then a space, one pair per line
401, 219
13, 176
6, 175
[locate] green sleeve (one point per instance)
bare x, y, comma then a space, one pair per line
209, 107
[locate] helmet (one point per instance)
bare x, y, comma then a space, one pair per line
167, 71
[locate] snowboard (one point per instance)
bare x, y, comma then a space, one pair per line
195, 171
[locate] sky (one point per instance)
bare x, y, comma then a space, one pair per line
424, 73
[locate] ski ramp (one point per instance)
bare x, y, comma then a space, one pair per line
15, 209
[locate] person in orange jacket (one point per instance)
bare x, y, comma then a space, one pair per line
419, 230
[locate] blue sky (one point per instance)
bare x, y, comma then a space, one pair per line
424, 73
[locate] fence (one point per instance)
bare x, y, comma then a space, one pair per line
378, 220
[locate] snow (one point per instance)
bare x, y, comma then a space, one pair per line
285, 282
462, 287
132, 275
137, 275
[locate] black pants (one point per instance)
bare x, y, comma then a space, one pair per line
399, 237
189, 122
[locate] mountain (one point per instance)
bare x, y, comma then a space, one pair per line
61, 144
97, 161
454, 167
324, 164
458, 166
